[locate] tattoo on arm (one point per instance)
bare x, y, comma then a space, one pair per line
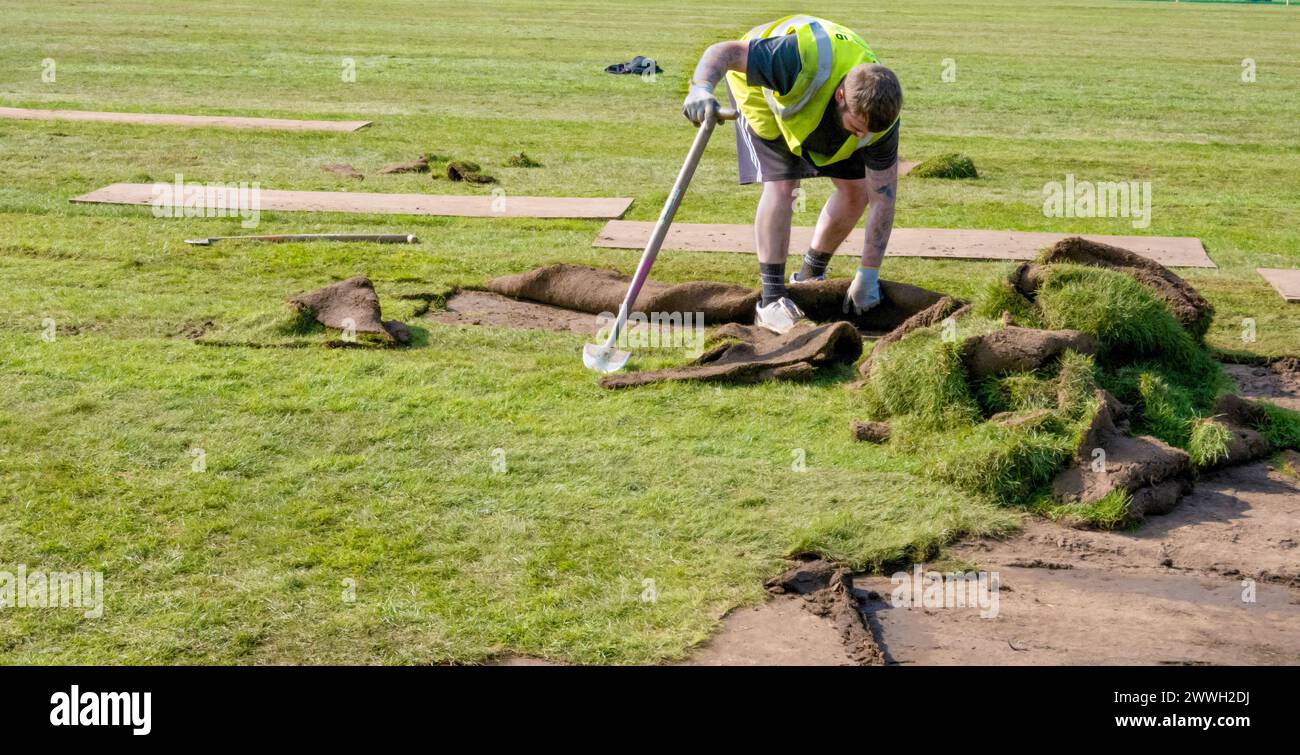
880, 214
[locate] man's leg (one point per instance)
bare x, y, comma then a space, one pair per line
772, 236
839, 215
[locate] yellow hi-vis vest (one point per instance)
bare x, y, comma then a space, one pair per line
827, 51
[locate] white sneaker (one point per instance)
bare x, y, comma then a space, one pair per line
794, 278
779, 316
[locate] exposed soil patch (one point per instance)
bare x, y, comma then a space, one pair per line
1015, 349
196, 330
418, 165
1169, 592
344, 169
1278, 381
781, 632
495, 310
827, 592
595, 290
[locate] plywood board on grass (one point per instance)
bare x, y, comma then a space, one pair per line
394, 204
166, 119
941, 243
1286, 282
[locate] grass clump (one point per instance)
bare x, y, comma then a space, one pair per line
1076, 386
1016, 393
1128, 320
1000, 296
921, 376
1281, 426
948, 165
1208, 442
1145, 358
522, 160
1006, 464
1107, 512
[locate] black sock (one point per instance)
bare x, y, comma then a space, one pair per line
815, 264
773, 279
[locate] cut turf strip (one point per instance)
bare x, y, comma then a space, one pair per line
167, 119
1286, 282
942, 243
394, 204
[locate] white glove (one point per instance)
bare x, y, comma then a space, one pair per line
864, 291
699, 103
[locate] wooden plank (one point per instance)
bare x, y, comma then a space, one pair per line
940, 243
165, 119
506, 206
1285, 282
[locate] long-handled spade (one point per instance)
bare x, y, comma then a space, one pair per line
604, 357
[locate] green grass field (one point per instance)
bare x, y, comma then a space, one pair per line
372, 469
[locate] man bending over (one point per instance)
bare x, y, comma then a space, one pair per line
814, 102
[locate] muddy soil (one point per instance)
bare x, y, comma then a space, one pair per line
1170, 592
781, 632
1278, 382
1174, 591
495, 310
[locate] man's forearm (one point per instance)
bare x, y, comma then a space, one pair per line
717, 60
880, 214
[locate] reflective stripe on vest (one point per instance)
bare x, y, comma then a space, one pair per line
787, 116
825, 58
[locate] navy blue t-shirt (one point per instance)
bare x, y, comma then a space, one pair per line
774, 64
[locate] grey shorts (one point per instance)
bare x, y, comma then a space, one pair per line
763, 160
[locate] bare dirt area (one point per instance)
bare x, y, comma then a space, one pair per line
1278, 382
781, 632
1174, 591
495, 310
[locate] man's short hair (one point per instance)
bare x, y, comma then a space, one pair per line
873, 92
